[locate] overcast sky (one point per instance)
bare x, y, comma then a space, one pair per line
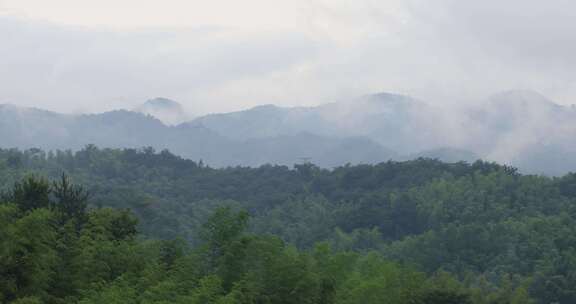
223, 55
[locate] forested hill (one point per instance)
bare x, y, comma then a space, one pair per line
483, 222
56, 250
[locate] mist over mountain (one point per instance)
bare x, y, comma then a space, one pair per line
32, 128
167, 110
392, 120
525, 129
521, 128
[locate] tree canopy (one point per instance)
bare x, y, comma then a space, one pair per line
150, 227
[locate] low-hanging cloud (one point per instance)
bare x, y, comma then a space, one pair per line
71, 68
442, 51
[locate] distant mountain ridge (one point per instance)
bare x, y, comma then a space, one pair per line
521, 128
385, 118
30, 128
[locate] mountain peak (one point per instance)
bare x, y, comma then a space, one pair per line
162, 103
391, 99
12, 107
16, 109
266, 108
386, 96
167, 110
521, 97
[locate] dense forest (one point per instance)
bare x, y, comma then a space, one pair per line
151, 227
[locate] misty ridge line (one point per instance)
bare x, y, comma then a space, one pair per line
520, 128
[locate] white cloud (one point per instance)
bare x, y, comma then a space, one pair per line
138, 14
223, 55
70, 69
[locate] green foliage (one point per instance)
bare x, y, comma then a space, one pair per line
46, 260
70, 200
31, 193
45, 257
387, 232
27, 257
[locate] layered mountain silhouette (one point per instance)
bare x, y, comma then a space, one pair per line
520, 128
33, 128
389, 119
